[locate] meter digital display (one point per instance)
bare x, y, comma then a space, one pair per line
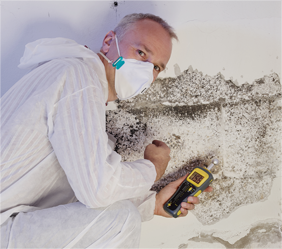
196, 177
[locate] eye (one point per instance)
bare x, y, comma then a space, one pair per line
141, 53
157, 68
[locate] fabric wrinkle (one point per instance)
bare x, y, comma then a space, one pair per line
56, 151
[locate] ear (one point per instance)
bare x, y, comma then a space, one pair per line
107, 41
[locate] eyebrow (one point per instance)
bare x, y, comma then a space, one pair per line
149, 51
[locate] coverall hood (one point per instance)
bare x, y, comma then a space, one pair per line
47, 49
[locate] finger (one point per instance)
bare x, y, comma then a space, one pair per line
181, 179
178, 181
188, 206
150, 145
184, 212
159, 143
193, 199
208, 189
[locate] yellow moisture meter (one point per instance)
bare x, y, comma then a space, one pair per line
194, 184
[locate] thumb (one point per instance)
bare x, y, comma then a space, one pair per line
158, 143
179, 181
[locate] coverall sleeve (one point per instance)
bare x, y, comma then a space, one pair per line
94, 171
146, 203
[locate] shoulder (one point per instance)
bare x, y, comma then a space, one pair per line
69, 67
68, 63
66, 76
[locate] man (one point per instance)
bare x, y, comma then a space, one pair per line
63, 185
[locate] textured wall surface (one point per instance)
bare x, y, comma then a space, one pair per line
201, 117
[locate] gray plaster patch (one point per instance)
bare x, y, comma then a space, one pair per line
201, 117
262, 235
177, 70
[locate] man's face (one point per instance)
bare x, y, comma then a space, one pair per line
146, 40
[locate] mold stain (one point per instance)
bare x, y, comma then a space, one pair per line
263, 235
201, 117
114, 6
183, 246
183, 170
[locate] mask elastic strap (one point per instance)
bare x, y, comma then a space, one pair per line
117, 63
109, 61
117, 45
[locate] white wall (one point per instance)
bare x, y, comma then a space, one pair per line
239, 39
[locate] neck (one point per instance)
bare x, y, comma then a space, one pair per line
110, 74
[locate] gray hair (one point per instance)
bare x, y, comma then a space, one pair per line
126, 22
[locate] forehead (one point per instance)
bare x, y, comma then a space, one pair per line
151, 35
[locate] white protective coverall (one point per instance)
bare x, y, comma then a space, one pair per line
58, 168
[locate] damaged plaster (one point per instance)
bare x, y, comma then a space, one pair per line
265, 234
201, 117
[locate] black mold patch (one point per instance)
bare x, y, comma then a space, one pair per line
192, 88
181, 112
198, 115
182, 171
128, 136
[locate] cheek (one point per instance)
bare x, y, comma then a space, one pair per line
155, 75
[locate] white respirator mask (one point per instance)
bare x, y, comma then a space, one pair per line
132, 77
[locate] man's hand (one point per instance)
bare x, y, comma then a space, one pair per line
158, 154
168, 191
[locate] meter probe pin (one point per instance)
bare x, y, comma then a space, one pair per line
214, 162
